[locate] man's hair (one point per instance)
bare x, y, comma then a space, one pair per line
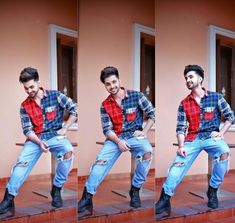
28, 74
198, 70
107, 72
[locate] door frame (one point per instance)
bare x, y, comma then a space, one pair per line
53, 30
137, 30
213, 30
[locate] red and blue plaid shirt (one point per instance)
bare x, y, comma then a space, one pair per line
127, 118
46, 119
201, 120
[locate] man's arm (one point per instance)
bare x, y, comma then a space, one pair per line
228, 114
148, 109
181, 129
69, 105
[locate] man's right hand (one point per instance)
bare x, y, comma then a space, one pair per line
43, 146
123, 146
182, 152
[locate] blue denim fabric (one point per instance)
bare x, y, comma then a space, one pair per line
110, 153
214, 147
29, 156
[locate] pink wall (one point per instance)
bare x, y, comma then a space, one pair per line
105, 38
182, 39
24, 42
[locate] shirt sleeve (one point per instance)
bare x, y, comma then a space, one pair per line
68, 104
147, 107
106, 122
225, 109
182, 123
26, 123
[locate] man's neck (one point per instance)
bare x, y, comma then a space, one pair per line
39, 96
119, 96
198, 93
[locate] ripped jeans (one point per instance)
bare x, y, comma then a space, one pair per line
214, 147
29, 157
110, 153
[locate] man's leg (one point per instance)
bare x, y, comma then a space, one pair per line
63, 151
219, 151
104, 162
25, 163
142, 150
176, 173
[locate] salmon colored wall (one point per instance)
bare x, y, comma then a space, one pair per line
105, 38
182, 39
24, 42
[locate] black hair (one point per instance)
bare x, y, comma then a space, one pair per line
28, 74
107, 72
198, 70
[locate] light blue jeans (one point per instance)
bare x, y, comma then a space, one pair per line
110, 153
214, 147
29, 156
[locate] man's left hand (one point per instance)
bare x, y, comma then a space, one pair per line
139, 133
62, 131
215, 134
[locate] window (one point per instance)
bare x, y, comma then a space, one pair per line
225, 65
147, 69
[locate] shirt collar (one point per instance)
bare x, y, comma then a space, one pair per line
110, 97
205, 95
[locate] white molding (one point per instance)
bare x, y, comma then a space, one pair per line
53, 30
213, 30
137, 30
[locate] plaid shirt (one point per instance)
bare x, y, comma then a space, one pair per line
127, 118
46, 119
201, 120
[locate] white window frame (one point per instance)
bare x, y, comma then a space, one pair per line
53, 30
213, 31
137, 30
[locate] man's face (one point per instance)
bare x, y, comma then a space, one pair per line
192, 79
112, 84
31, 88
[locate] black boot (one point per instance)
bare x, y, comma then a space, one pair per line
163, 205
212, 198
135, 201
56, 197
85, 203
7, 203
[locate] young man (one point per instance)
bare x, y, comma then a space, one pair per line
199, 118
42, 118
122, 121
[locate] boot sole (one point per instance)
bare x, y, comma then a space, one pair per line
90, 209
160, 211
56, 206
11, 209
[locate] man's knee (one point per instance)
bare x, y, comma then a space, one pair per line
101, 161
68, 155
224, 156
147, 156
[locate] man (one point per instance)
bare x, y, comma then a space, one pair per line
42, 118
199, 118
122, 121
